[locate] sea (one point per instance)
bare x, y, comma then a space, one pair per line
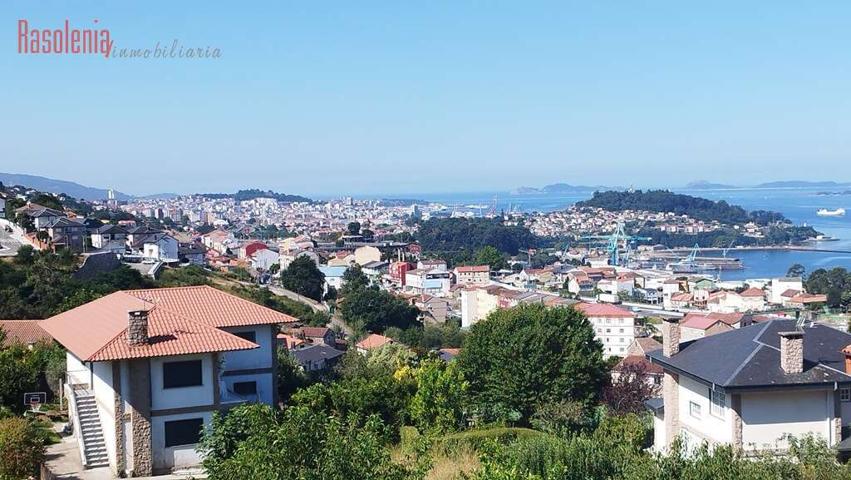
797, 204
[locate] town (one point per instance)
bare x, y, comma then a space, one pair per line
359, 276
425, 241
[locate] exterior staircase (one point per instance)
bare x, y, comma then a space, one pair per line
94, 447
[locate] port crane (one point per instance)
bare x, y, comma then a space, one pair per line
615, 242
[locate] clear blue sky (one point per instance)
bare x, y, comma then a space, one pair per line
405, 97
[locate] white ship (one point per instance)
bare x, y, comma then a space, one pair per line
830, 213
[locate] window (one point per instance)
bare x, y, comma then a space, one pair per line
694, 409
182, 374
245, 388
250, 336
718, 402
183, 432
845, 394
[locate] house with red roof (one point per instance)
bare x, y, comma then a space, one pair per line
371, 342
22, 332
699, 325
146, 369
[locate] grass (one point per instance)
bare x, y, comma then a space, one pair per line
457, 453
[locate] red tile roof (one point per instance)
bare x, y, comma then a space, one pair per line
25, 332
753, 292
602, 310
373, 340
181, 321
702, 321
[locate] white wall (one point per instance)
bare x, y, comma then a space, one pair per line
615, 333
75, 370
249, 359
181, 397
709, 426
105, 399
173, 457
767, 416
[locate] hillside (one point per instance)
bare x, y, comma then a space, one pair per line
253, 193
50, 185
665, 201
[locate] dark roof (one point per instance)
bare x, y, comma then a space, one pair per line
113, 229
655, 405
66, 222
750, 357
315, 352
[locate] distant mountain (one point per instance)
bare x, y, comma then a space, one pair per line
559, 188
51, 185
704, 185
802, 184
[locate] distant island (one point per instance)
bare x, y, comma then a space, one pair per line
556, 188
773, 227
254, 193
704, 185
665, 201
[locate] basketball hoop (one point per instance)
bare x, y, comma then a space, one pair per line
35, 400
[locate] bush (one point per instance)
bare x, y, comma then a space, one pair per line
21, 448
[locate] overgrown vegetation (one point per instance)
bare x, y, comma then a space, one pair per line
457, 239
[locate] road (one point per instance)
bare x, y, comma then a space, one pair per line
336, 321
8, 245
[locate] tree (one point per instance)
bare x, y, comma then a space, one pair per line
835, 283
524, 356
796, 270
290, 376
353, 279
373, 310
303, 277
353, 228
21, 448
629, 389
490, 256
438, 407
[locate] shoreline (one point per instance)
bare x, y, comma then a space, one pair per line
792, 248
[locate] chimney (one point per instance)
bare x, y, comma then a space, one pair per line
792, 351
670, 336
137, 327
847, 352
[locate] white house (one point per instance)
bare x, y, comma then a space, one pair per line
264, 259
111, 238
433, 282
751, 386
146, 369
781, 285
160, 246
333, 276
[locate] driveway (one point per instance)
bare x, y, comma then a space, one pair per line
8, 245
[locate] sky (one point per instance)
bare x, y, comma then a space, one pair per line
349, 97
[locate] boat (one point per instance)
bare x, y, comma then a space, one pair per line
823, 212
